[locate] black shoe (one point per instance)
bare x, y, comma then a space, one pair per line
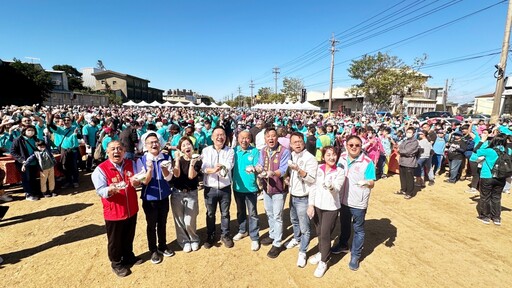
156, 258
210, 240
431, 183
47, 194
121, 271
274, 252
227, 241
338, 249
54, 194
166, 252
266, 241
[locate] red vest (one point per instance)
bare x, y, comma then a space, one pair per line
124, 204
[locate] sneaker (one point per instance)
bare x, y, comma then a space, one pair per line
506, 191
267, 241
240, 236
484, 220
255, 245
338, 249
431, 183
194, 246
32, 198
210, 240
471, 191
133, 262
156, 258
187, 247
226, 240
167, 252
313, 260
274, 252
47, 194
5, 198
54, 194
496, 221
353, 264
75, 185
407, 197
301, 260
320, 269
292, 243
121, 271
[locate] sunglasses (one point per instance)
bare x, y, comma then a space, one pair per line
354, 145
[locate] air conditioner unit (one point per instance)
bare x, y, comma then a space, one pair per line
56, 82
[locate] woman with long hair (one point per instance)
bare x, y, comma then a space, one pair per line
184, 203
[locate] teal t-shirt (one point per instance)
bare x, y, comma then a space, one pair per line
242, 181
66, 137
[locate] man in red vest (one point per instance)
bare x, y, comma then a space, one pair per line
114, 183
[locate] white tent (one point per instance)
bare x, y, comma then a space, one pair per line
214, 105
129, 103
190, 104
202, 105
142, 103
225, 106
179, 104
155, 104
308, 106
167, 104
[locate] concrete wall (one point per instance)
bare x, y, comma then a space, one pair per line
68, 98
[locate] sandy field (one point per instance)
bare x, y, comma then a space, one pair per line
432, 240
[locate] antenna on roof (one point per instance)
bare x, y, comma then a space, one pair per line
100, 65
32, 59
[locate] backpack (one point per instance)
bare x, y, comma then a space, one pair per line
503, 166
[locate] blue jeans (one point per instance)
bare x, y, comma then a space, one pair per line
246, 203
357, 216
300, 221
454, 169
274, 205
423, 168
212, 196
437, 160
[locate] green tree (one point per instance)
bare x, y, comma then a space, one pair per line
383, 76
38, 81
264, 94
75, 82
114, 99
292, 87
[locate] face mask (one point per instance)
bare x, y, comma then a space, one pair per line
29, 133
408, 135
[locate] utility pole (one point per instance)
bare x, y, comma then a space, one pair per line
496, 107
333, 50
275, 70
252, 95
240, 102
445, 94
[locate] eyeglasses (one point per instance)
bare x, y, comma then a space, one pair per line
354, 145
152, 143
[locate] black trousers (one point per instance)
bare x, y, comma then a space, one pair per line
475, 174
120, 236
407, 180
156, 219
490, 198
324, 221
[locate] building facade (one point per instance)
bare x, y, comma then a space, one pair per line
127, 86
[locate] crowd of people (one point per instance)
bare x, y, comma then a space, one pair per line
327, 165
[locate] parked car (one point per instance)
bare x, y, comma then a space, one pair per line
435, 114
484, 117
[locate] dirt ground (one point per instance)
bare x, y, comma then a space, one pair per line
432, 240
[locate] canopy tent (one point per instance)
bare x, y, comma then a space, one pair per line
129, 103
214, 105
167, 104
143, 103
202, 105
155, 104
190, 104
179, 104
225, 106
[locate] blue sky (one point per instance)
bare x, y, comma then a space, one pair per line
213, 47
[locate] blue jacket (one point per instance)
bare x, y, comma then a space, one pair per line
158, 188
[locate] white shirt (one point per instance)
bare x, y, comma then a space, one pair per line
306, 161
260, 140
212, 157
